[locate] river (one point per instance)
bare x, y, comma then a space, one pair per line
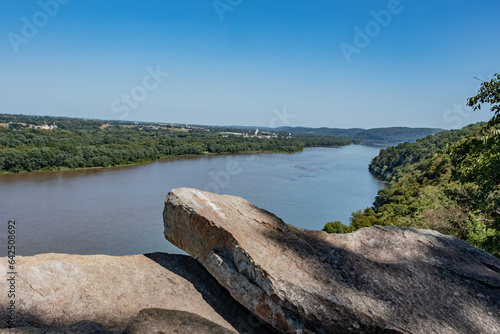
118, 211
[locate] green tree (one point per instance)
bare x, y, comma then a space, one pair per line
477, 167
488, 93
449, 182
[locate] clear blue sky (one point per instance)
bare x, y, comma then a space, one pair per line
242, 62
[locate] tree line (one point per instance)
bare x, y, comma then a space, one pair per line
87, 144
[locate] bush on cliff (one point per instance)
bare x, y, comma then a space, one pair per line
337, 227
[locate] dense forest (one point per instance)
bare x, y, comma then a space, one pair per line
78, 143
395, 161
449, 182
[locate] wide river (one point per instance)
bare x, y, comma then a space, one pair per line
118, 211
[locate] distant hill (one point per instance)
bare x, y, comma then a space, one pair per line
395, 134
327, 132
391, 135
395, 161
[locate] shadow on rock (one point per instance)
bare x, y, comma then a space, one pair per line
213, 293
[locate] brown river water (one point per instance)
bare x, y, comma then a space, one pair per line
118, 211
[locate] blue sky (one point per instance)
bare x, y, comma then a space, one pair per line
240, 62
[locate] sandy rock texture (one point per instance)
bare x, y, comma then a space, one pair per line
169, 321
374, 280
57, 290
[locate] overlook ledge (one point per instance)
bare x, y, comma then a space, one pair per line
374, 280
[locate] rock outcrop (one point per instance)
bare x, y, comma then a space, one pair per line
59, 291
374, 280
170, 321
148, 321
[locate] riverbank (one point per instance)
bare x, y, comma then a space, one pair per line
132, 164
166, 157
26, 149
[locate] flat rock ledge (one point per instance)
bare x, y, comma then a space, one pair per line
374, 280
60, 293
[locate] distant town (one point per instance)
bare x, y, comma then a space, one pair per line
390, 135
45, 126
165, 126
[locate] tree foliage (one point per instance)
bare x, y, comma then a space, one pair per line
337, 227
395, 161
449, 182
489, 93
80, 143
477, 164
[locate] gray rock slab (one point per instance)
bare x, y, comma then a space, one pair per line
55, 290
374, 280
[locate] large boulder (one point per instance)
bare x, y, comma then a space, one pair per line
374, 280
57, 290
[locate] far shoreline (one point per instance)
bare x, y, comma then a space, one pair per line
168, 157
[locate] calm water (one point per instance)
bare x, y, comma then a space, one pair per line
118, 211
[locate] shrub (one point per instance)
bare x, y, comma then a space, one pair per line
337, 227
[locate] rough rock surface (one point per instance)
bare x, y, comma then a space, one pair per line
83, 327
374, 280
55, 290
171, 321
148, 321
